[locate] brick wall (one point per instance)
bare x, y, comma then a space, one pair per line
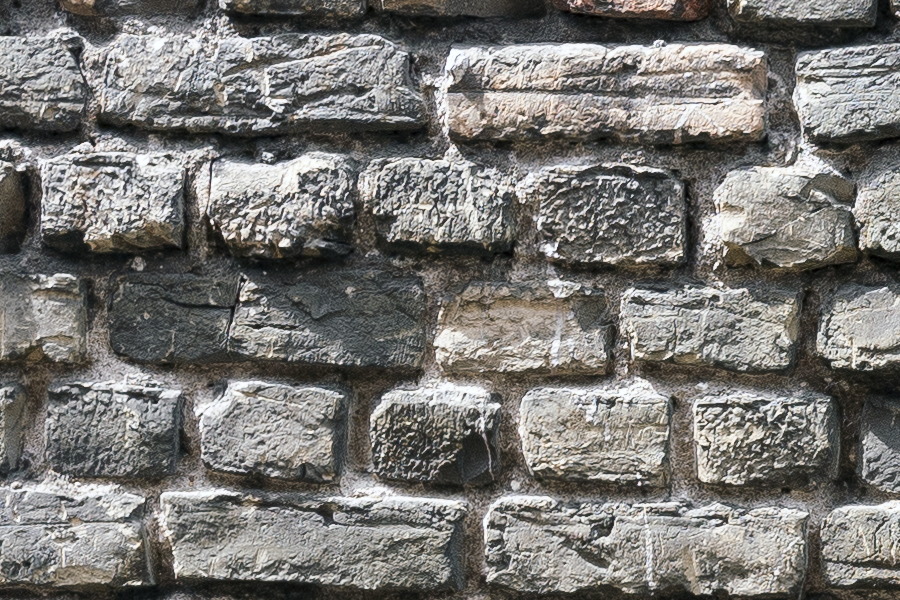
449, 299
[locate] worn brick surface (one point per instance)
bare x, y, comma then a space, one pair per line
830, 13
12, 425
860, 328
858, 545
459, 8
670, 10
119, 8
879, 451
324, 8
12, 208
878, 200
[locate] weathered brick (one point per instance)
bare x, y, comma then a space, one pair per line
735, 329
859, 546
301, 207
442, 435
877, 205
784, 217
879, 452
613, 433
43, 317
347, 317
459, 8
67, 535
438, 205
254, 86
325, 8
12, 208
614, 215
12, 427
744, 437
172, 318
119, 8
849, 94
586, 91
274, 430
113, 430
541, 545
41, 86
366, 543
670, 10
515, 327
860, 328
112, 202
831, 13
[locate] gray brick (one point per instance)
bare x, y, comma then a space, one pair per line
830, 13
860, 328
120, 8
324, 8
879, 452
670, 10
878, 203
459, 8
12, 427
859, 546
12, 208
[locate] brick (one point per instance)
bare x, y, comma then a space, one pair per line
839, 13
366, 543
67, 535
443, 435
613, 433
860, 328
121, 8
879, 451
302, 207
536, 544
43, 317
518, 328
878, 203
324, 8
614, 215
274, 430
748, 437
460, 8
12, 208
41, 86
254, 86
172, 318
670, 10
587, 91
859, 546
736, 329
12, 426
113, 430
852, 94
424, 205
784, 217
344, 317
112, 202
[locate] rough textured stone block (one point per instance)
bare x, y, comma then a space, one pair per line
587, 91
112, 202
517, 327
730, 328
442, 435
41, 86
438, 205
784, 217
859, 546
877, 205
849, 94
325, 8
274, 430
172, 318
540, 545
120, 8
367, 543
68, 535
12, 428
301, 207
613, 215
113, 430
348, 317
831, 13
860, 328
879, 453
254, 86
614, 433
12, 208
670, 10
459, 8
43, 317
744, 437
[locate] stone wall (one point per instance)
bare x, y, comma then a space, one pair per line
457, 299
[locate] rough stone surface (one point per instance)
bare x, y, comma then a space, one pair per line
275, 430
613, 433
831, 13
42, 317
877, 204
439, 205
879, 452
614, 215
514, 328
587, 91
367, 543
301, 207
113, 202
670, 10
119, 8
860, 328
744, 437
442, 435
859, 546
12, 208
41, 86
784, 217
459, 8
325, 8
254, 86
849, 94
12, 425
736, 329
113, 430
67, 535
345, 317
540, 545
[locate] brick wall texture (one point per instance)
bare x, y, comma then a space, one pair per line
449, 299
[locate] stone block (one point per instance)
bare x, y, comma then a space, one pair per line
825, 13
121, 8
860, 328
12, 208
669, 10
12, 427
859, 546
316, 8
459, 8
879, 451
878, 203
